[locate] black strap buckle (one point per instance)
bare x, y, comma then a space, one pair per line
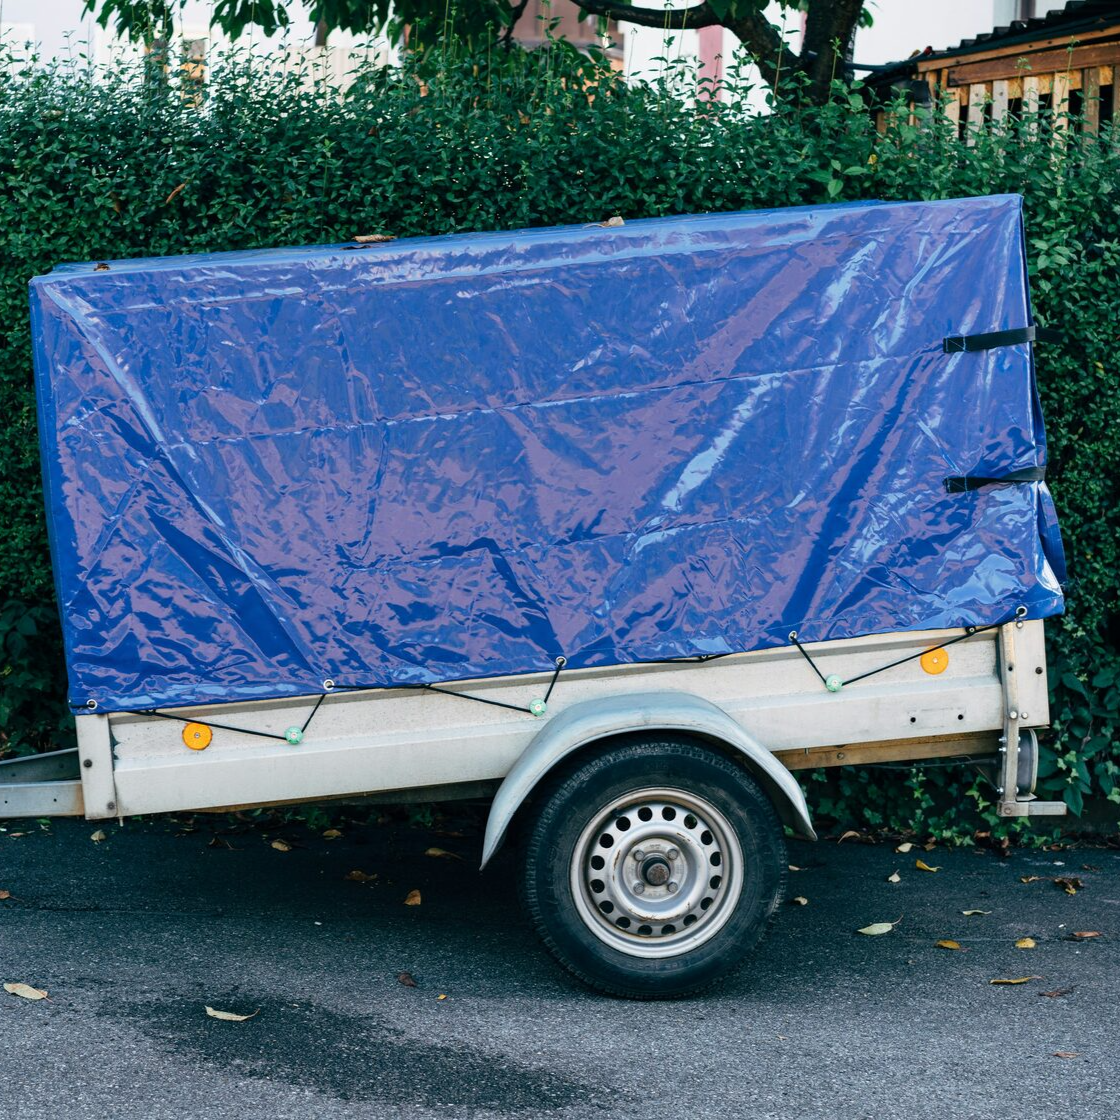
962, 484
970, 343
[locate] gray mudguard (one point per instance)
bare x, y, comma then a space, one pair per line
592, 720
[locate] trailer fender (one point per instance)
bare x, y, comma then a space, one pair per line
593, 720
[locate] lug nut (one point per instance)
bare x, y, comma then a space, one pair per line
639, 855
639, 888
673, 853
672, 888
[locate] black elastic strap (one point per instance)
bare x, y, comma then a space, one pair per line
969, 343
805, 653
962, 484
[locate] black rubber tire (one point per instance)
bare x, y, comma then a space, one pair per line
576, 796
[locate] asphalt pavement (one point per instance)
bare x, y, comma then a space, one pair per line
133, 936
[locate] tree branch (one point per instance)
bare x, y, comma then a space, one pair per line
670, 19
764, 42
515, 14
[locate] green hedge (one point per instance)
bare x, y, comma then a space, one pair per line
106, 164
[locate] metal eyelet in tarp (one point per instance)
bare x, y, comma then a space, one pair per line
460, 457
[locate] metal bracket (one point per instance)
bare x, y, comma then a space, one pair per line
1012, 775
95, 748
1031, 808
41, 785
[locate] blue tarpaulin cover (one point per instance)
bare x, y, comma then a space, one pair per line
454, 457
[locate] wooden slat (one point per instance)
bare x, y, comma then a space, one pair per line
1091, 99
891, 750
1000, 98
1061, 42
1030, 99
967, 73
977, 99
953, 107
1061, 101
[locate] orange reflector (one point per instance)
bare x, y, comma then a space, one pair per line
935, 661
197, 736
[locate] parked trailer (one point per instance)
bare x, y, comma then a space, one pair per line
620, 526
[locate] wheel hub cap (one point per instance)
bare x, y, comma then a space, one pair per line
657, 872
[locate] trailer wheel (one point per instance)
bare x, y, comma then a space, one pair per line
652, 869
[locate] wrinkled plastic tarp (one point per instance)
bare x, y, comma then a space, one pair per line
465, 456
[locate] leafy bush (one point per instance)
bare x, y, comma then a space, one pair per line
108, 164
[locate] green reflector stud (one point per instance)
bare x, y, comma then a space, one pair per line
833, 684
294, 736
538, 708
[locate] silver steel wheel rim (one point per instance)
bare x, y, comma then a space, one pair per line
618, 878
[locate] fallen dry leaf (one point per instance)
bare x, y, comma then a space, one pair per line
876, 929
412, 898
1066, 1054
222, 842
612, 223
373, 238
1025, 943
230, 1016
894, 877
974, 913
357, 876
16, 835
851, 834
98, 836
281, 845
25, 991
441, 853
902, 849
406, 979
1078, 935
921, 865
1069, 883
331, 834
1089, 867
949, 945
4, 895
174, 193
1057, 993
794, 868
800, 900
442, 995
1017, 980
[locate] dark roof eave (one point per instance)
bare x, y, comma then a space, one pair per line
1042, 27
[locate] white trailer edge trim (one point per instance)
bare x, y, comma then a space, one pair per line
592, 720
